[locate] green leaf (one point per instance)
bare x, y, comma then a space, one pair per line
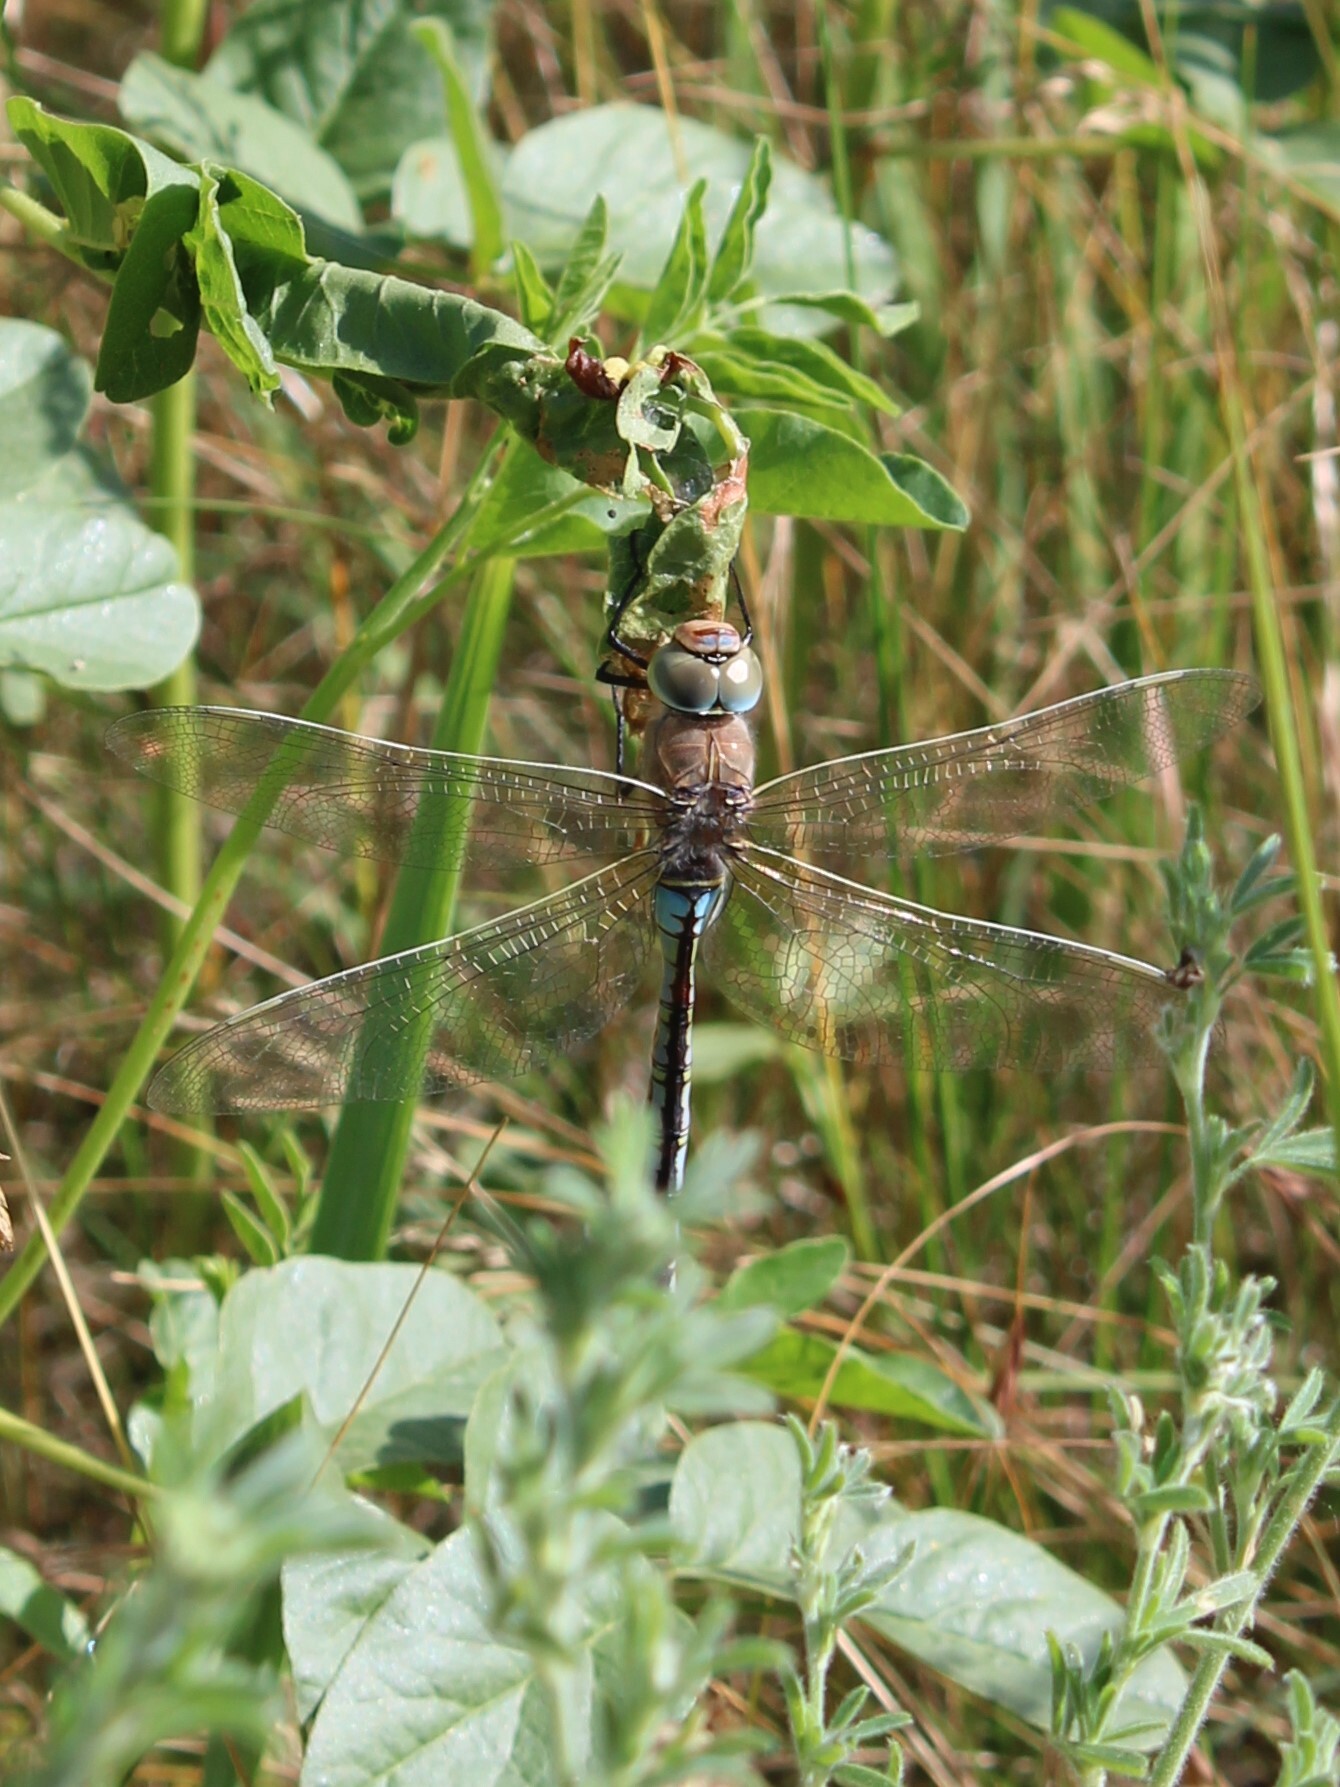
975, 1601
153, 320
474, 151
424, 1693
101, 176
329, 1598
676, 301
318, 1326
429, 199
1312, 1151
251, 1232
790, 1281
534, 294
586, 275
1090, 36
40, 1610
800, 467
351, 75
734, 258
202, 120
268, 1201
221, 295
326, 318
796, 1365
885, 319
1310, 154
89, 595
44, 398
628, 154
813, 363
511, 518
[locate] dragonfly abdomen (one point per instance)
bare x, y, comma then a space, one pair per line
683, 911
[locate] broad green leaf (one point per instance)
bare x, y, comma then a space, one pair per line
44, 397
317, 1327
1209, 36
734, 257
796, 1365
88, 595
153, 319
40, 1610
326, 318
798, 466
975, 1601
424, 1693
791, 1280
428, 194
202, 120
350, 74
512, 515
330, 1597
101, 175
474, 151
628, 154
222, 298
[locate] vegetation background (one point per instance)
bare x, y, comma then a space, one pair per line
1065, 376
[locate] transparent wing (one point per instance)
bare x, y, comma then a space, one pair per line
859, 974
975, 787
486, 1004
366, 797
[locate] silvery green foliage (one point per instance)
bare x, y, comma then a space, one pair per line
1229, 1469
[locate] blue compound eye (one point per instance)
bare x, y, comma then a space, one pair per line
741, 682
683, 681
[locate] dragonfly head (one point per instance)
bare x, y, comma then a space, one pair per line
706, 668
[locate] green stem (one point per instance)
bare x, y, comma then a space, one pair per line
367, 1153
182, 31
1299, 1488
59, 1452
172, 485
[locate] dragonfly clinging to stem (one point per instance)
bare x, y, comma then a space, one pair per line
688, 861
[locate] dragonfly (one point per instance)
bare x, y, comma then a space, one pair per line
690, 863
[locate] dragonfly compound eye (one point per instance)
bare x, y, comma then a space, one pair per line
741, 682
683, 681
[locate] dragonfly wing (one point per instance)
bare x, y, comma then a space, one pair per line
367, 797
868, 977
977, 787
487, 1004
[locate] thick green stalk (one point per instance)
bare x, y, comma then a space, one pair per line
367, 1154
172, 484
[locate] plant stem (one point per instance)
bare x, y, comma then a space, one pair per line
172, 485
367, 1153
1300, 1487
